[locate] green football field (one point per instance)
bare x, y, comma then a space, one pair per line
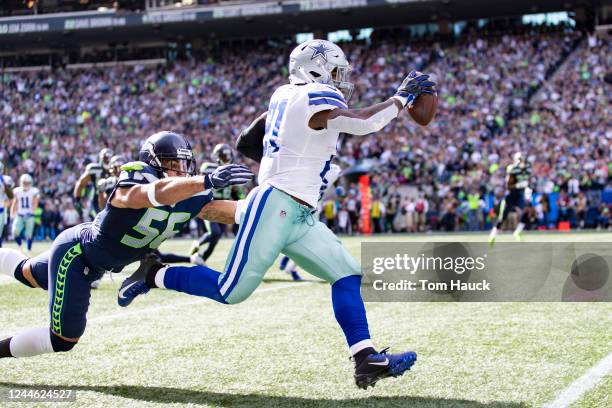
282, 347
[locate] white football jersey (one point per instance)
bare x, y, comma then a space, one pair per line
25, 199
4, 181
297, 159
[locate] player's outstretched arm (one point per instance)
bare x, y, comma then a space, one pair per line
375, 117
80, 185
171, 190
222, 211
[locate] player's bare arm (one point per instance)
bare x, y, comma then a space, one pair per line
80, 185
510, 181
13, 207
171, 190
8, 191
166, 191
222, 211
375, 117
102, 197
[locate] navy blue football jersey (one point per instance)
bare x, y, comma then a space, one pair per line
120, 236
95, 171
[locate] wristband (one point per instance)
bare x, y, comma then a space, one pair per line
208, 183
402, 99
151, 196
238, 213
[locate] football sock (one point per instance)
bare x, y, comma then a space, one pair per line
194, 280
31, 342
30, 244
5, 348
519, 228
18, 241
350, 313
10, 259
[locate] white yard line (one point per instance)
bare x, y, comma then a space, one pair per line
576, 389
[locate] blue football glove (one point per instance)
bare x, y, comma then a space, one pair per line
415, 84
229, 175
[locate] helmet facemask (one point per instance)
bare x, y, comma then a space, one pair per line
340, 76
182, 155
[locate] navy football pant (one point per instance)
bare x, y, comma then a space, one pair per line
62, 271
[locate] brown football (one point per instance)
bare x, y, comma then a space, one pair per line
424, 108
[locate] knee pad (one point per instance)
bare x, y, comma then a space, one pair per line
60, 345
10, 259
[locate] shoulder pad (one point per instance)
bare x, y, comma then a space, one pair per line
136, 173
93, 168
133, 166
327, 95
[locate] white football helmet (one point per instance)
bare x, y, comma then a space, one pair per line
323, 62
26, 181
517, 157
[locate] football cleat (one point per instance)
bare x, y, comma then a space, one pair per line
517, 236
197, 259
135, 285
194, 248
381, 365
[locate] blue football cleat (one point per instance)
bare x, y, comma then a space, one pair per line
135, 285
381, 365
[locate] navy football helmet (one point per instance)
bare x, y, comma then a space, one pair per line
223, 154
104, 157
167, 146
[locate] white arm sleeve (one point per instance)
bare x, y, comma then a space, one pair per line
356, 126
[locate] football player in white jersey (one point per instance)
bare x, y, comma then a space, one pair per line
25, 202
302, 125
6, 194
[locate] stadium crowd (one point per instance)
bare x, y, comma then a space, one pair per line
500, 92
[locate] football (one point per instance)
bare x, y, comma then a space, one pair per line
424, 108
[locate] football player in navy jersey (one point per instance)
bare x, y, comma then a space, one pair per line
93, 173
105, 189
152, 199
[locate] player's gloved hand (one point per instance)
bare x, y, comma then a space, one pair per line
415, 84
229, 175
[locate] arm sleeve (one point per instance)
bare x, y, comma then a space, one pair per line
250, 141
364, 126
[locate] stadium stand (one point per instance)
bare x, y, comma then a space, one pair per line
502, 89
